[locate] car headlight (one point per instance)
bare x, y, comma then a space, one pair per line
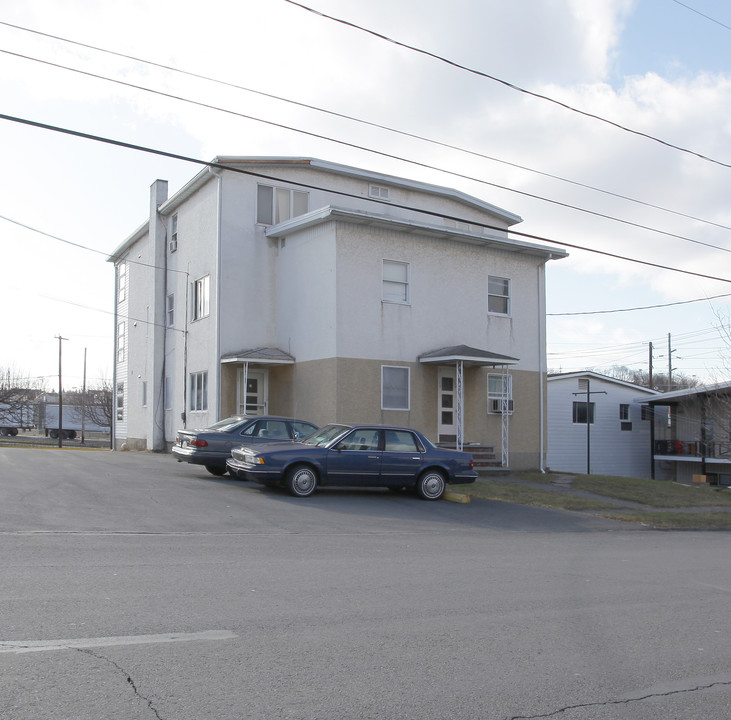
253, 460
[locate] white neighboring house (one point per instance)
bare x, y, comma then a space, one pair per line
299, 287
616, 440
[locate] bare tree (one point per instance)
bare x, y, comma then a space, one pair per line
19, 396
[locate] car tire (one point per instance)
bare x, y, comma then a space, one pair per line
301, 480
431, 485
216, 470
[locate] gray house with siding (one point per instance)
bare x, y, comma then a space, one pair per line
598, 425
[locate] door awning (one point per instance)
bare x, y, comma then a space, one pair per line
261, 356
468, 355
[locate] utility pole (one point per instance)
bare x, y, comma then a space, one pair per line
670, 365
60, 393
649, 374
589, 420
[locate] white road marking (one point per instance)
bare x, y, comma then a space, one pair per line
25, 646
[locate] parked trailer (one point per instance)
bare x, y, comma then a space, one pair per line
72, 415
10, 421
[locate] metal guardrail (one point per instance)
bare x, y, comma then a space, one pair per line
694, 448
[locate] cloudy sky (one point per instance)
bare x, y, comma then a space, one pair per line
660, 69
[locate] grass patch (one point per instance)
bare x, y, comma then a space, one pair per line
506, 491
654, 493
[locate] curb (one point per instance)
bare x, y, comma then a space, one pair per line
456, 497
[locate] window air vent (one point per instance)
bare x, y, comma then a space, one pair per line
378, 191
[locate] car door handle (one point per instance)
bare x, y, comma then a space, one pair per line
373, 457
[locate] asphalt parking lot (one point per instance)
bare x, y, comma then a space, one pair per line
137, 587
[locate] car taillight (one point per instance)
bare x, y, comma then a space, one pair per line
472, 464
198, 443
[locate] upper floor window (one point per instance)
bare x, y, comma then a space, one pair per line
122, 282
173, 244
394, 388
121, 337
498, 295
170, 310
275, 205
199, 391
624, 412
395, 282
201, 297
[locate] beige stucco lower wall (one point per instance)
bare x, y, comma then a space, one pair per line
349, 390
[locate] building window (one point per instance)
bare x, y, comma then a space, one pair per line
144, 393
395, 282
624, 412
394, 388
201, 291
170, 310
199, 391
120, 401
626, 426
647, 412
168, 393
580, 413
173, 244
122, 282
120, 341
499, 391
498, 295
275, 205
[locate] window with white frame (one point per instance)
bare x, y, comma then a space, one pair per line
173, 244
120, 401
199, 391
121, 327
498, 295
499, 393
580, 413
122, 282
144, 393
275, 205
395, 282
201, 296
395, 394
170, 310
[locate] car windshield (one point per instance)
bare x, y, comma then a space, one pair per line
325, 435
227, 424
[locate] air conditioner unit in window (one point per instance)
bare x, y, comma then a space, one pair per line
173, 245
496, 405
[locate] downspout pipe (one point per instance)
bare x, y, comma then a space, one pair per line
219, 178
542, 363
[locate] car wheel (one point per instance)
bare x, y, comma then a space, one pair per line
301, 481
430, 485
216, 470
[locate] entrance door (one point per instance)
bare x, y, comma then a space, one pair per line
252, 392
447, 404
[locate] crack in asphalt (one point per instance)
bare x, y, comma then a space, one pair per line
626, 701
130, 681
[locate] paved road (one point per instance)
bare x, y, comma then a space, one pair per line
136, 587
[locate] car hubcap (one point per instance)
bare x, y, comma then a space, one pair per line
304, 481
433, 485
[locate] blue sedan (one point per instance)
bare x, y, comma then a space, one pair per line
212, 446
355, 455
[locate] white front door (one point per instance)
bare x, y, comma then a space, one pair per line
252, 392
447, 404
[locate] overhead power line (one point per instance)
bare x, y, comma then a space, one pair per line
698, 12
644, 307
430, 213
510, 85
364, 148
362, 121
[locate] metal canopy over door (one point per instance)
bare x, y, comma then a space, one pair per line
252, 391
